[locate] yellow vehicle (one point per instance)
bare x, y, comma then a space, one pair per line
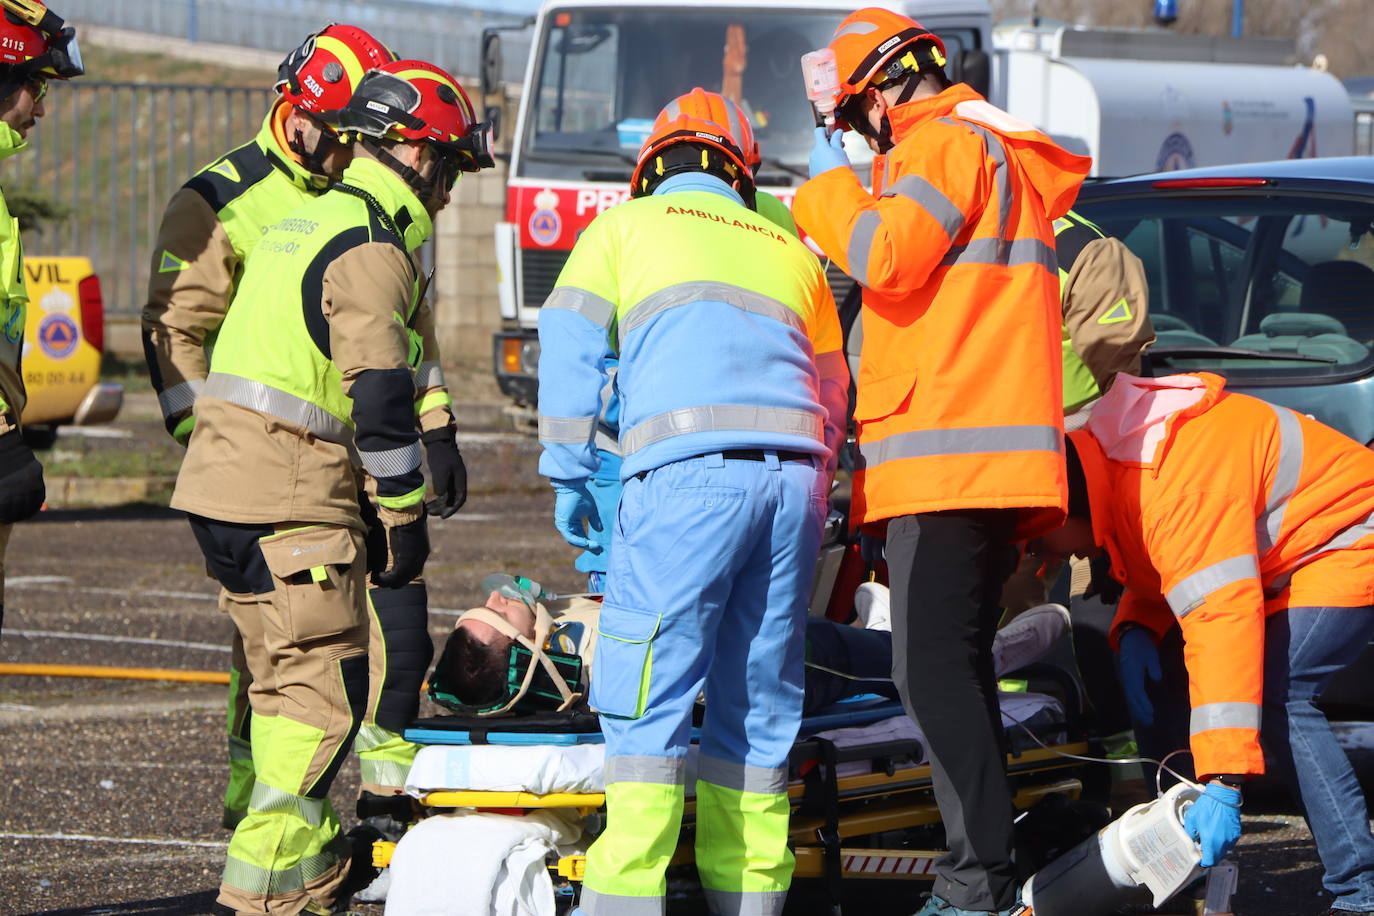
64, 337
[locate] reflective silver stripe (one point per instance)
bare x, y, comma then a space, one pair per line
605, 442
261, 882
1004, 253
931, 199
383, 772
1268, 525
714, 417
709, 291
1194, 589
1224, 715
594, 903
667, 771
1001, 181
589, 305
268, 800
570, 430
861, 243
927, 443
179, 397
855, 28
1348, 537
391, 462
277, 403
429, 375
742, 776
744, 903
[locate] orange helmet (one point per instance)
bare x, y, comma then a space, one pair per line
702, 119
873, 46
322, 72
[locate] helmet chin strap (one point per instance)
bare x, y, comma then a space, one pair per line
424, 189
313, 160
883, 136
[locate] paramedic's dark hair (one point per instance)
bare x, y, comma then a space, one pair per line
1078, 483
477, 670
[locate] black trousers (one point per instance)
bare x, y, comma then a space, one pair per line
946, 571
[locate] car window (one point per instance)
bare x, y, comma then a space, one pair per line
1288, 280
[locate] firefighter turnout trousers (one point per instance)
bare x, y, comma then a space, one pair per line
710, 573
296, 594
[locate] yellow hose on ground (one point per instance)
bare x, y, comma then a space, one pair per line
135, 674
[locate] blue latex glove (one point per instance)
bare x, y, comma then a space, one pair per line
572, 506
1138, 660
828, 153
1213, 821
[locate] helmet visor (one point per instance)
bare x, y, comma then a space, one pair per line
472, 152
62, 60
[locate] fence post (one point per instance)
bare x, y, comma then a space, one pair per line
192, 21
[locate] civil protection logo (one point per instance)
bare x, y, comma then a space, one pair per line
545, 223
58, 336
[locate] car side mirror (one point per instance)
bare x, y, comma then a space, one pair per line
975, 68
490, 68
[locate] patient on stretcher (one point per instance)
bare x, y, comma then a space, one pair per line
488, 655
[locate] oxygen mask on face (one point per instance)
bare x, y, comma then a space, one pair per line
517, 587
821, 74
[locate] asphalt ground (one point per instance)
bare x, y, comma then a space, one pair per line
111, 798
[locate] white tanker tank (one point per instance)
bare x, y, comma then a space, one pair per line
1146, 101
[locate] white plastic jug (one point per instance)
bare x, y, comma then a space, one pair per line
1144, 854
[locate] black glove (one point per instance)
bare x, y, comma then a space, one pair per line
21, 479
406, 545
447, 473
1102, 585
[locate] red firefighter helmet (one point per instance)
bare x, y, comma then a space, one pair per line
322, 72
35, 44
702, 119
414, 100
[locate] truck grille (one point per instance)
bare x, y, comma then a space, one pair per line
840, 282
539, 271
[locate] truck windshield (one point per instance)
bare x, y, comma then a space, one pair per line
1274, 289
605, 72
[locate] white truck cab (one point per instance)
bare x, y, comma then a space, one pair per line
600, 71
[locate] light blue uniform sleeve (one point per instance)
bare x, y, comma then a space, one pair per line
572, 356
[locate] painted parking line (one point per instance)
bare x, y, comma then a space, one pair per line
52, 583
102, 637
127, 840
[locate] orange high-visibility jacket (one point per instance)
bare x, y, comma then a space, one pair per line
1218, 509
959, 393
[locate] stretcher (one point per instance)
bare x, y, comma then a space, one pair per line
861, 809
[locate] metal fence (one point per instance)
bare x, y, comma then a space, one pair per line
447, 35
109, 156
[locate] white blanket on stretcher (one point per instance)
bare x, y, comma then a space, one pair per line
538, 769
472, 863
544, 769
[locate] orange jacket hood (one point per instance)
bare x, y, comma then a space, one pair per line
1055, 173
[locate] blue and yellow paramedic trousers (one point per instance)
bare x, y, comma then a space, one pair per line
296, 594
710, 573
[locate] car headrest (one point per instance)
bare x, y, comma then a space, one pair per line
1332, 286
1300, 324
